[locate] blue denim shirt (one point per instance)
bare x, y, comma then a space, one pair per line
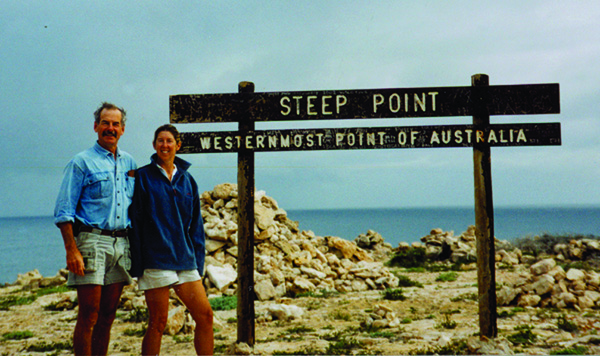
97, 189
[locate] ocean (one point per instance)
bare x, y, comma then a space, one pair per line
35, 243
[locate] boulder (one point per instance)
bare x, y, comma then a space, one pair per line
574, 274
26, 279
176, 320
224, 191
543, 285
264, 290
345, 247
221, 276
285, 312
263, 216
543, 266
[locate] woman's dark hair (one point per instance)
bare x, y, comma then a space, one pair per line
170, 128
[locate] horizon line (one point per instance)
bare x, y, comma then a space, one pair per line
507, 206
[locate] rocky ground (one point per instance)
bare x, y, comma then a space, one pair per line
327, 295
439, 317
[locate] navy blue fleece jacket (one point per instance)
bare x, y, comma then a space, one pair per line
167, 228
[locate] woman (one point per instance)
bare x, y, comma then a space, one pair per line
167, 242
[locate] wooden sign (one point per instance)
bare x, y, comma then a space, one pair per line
374, 103
479, 101
543, 134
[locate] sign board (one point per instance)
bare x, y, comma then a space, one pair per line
361, 104
479, 100
371, 138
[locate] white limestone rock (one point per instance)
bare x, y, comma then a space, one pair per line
221, 276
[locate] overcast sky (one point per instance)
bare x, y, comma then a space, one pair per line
61, 59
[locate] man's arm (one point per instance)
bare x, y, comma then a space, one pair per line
74, 259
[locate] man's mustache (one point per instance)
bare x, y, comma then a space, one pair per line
109, 133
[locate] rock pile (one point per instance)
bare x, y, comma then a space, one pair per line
578, 250
287, 260
33, 279
381, 317
442, 245
546, 284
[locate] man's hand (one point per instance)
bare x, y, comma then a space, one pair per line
75, 262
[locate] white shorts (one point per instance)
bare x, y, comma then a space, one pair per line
158, 278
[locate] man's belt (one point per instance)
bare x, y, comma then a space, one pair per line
111, 233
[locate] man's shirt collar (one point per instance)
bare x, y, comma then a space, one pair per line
103, 151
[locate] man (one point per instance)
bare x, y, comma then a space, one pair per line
91, 212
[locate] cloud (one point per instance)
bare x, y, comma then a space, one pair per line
61, 59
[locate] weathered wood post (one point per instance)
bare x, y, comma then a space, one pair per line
484, 212
245, 268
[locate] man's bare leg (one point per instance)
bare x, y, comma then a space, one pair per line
89, 303
109, 302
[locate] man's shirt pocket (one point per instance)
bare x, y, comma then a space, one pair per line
98, 186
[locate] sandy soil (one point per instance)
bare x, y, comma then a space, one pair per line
330, 324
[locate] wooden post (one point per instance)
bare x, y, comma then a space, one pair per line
484, 214
245, 178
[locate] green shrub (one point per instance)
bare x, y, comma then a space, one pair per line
182, 339
17, 335
223, 303
220, 349
340, 315
135, 332
137, 315
575, 350
304, 351
566, 325
12, 300
333, 335
321, 294
369, 328
343, 346
544, 244
454, 348
413, 257
393, 294
447, 277
448, 323
582, 265
45, 347
505, 314
524, 335
53, 290
382, 334
404, 281
300, 329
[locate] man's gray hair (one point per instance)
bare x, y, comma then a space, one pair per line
109, 106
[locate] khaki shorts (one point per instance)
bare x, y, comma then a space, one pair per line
107, 260
158, 278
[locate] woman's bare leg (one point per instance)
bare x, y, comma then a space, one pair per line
158, 308
193, 295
